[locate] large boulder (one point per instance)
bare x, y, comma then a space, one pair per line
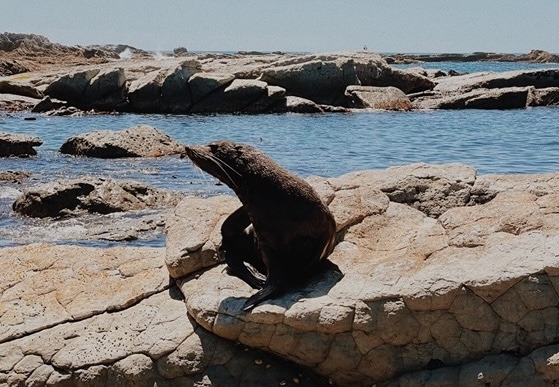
320, 79
20, 145
102, 89
468, 283
144, 93
113, 319
203, 84
372, 97
91, 195
175, 93
324, 78
232, 99
137, 141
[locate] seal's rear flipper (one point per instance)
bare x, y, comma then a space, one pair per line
263, 294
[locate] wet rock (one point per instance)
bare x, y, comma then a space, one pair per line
20, 145
93, 195
137, 141
385, 98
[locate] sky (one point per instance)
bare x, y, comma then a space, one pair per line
420, 26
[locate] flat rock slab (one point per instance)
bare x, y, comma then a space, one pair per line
433, 277
21, 145
138, 141
85, 316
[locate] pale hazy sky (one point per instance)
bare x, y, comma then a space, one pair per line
293, 25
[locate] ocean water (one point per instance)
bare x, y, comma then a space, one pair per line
495, 141
472, 67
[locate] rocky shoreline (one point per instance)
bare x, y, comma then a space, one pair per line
449, 278
101, 79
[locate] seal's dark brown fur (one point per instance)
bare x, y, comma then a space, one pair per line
283, 228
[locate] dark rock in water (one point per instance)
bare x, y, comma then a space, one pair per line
138, 141
20, 145
93, 195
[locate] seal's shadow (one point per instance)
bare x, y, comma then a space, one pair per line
328, 274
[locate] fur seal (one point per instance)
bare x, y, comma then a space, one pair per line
283, 228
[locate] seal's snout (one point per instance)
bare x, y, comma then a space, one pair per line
187, 152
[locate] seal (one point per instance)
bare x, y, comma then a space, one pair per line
283, 229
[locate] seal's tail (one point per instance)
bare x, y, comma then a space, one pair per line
263, 294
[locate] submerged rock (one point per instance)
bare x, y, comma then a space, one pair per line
137, 141
20, 145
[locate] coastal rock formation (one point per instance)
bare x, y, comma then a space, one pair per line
417, 261
137, 141
506, 90
113, 319
449, 278
91, 89
535, 56
91, 195
20, 145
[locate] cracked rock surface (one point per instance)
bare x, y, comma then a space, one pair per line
448, 278
76, 316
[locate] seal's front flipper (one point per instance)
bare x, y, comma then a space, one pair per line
263, 294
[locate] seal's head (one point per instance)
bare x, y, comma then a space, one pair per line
224, 160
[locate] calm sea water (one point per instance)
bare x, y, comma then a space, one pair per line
472, 67
509, 141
